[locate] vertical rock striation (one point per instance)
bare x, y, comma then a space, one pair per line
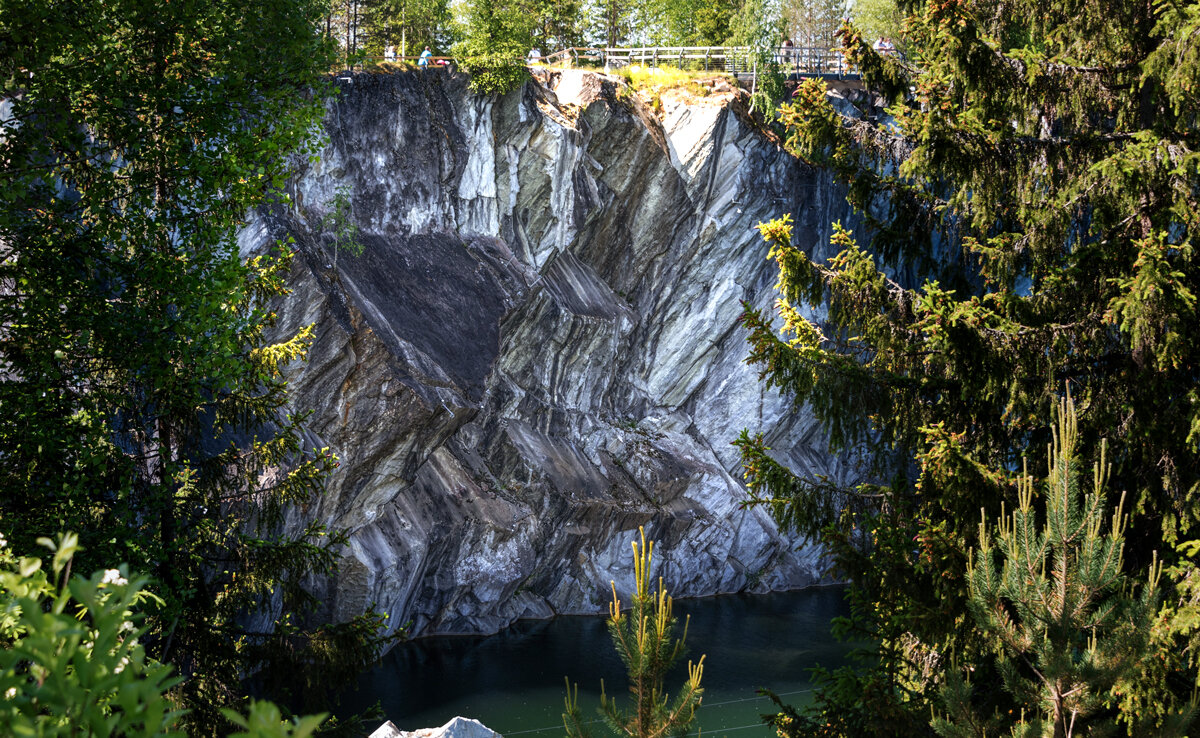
538, 350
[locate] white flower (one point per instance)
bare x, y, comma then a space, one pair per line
3, 541
121, 666
12, 692
112, 576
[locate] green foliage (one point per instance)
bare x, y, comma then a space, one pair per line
1069, 628
339, 223
759, 28
769, 90
651, 82
1026, 219
610, 22
878, 19
496, 36
814, 23
406, 25
756, 26
687, 22
494, 74
264, 720
651, 22
141, 397
71, 660
558, 24
710, 24
1176, 634
645, 641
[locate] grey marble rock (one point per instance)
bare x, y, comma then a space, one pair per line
459, 727
539, 350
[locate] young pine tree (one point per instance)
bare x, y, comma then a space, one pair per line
1068, 627
645, 640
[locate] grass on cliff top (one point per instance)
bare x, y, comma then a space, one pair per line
664, 78
651, 82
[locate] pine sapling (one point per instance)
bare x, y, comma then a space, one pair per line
1068, 626
645, 640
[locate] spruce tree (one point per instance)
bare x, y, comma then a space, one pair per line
645, 641
140, 400
1025, 219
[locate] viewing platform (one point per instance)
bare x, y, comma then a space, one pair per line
795, 62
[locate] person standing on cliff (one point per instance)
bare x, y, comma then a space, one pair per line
424, 60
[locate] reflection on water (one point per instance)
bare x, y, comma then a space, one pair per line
513, 681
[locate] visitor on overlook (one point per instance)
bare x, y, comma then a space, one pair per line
389, 53
424, 60
535, 55
786, 51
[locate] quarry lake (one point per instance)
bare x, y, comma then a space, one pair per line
513, 681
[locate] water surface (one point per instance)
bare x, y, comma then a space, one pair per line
513, 681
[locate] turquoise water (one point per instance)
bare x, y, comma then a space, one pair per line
513, 681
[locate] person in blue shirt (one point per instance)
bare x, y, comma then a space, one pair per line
424, 60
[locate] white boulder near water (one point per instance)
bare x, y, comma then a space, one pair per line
459, 727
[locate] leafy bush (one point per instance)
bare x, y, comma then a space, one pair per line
495, 74
71, 663
495, 36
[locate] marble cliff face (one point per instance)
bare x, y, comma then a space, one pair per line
538, 350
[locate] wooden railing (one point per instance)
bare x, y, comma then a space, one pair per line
433, 60
574, 55
739, 60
